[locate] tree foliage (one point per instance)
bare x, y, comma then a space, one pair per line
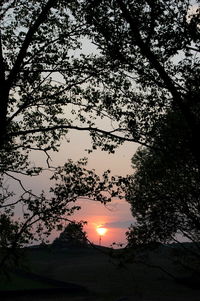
72, 236
154, 45
45, 212
45, 90
164, 190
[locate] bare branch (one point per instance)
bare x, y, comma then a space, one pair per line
21, 185
11, 204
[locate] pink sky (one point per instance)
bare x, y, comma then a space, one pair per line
115, 216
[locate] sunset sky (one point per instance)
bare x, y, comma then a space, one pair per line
116, 216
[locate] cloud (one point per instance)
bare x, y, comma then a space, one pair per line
119, 224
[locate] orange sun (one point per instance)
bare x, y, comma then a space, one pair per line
101, 231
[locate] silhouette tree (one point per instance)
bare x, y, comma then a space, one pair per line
72, 236
45, 78
164, 195
155, 46
164, 189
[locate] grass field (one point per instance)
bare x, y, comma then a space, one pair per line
103, 277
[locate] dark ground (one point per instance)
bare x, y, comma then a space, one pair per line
99, 277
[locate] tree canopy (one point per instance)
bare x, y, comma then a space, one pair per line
72, 236
45, 89
155, 45
164, 189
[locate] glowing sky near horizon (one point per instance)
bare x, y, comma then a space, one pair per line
116, 215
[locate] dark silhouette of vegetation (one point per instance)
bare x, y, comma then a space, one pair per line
155, 45
164, 195
72, 236
42, 96
164, 190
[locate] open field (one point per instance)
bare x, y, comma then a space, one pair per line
103, 277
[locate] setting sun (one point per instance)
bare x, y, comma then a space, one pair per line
101, 231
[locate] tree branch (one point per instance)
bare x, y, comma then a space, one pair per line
145, 50
11, 204
58, 93
153, 60
21, 185
179, 99
27, 41
90, 129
